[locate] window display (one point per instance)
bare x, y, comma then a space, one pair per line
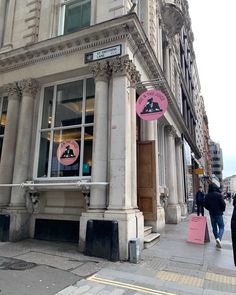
66, 134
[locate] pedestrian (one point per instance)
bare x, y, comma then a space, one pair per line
215, 204
200, 198
233, 229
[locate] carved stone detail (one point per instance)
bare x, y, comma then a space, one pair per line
171, 131
12, 90
124, 66
29, 86
101, 70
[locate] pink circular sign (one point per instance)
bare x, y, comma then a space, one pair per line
151, 105
68, 152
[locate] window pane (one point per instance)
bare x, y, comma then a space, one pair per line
66, 153
69, 104
77, 16
47, 107
88, 147
44, 154
90, 94
3, 116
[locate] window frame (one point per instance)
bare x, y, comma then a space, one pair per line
62, 15
2, 98
51, 129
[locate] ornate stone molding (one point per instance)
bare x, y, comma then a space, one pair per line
124, 66
12, 90
101, 70
171, 131
29, 86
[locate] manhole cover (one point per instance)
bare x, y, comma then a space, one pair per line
22, 265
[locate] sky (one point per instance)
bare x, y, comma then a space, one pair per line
214, 29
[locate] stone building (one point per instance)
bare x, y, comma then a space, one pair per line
72, 147
216, 161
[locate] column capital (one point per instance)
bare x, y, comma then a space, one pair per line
179, 140
12, 90
29, 86
124, 66
101, 70
171, 131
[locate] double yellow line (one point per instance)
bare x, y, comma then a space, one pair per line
96, 279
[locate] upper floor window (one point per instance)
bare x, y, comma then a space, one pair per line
74, 15
3, 115
66, 130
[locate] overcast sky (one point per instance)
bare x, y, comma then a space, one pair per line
214, 29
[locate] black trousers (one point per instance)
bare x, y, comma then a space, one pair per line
200, 209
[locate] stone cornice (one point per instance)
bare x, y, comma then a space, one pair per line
95, 36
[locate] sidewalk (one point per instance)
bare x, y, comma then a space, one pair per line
173, 266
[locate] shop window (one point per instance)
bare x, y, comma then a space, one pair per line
66, 132
74, 15
3, 115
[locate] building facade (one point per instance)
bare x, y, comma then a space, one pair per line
229, 184
216, 161
72, 146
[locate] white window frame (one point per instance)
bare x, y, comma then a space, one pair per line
83, 125
62, 11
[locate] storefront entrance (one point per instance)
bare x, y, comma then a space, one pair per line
147, 180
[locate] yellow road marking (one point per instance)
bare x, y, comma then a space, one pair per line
94, 278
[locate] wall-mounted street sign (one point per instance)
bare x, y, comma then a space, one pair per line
151, 105
68, 152
103, 53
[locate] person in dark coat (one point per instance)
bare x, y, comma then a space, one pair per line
215, 204
200, 198
233, 229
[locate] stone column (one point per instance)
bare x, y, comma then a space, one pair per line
23, 144
166, 62
2, 20
180, 177
122, 164
9, 142
19, 216
173, 211
98, 195
9, 22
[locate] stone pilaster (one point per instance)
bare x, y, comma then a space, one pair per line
122, 163
180, 177
9, 142
98, 196
19, 216
23, 145
173, 211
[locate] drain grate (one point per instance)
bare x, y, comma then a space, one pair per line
15, 264
22, 265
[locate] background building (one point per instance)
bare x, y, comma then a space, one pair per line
229, 184
216, 160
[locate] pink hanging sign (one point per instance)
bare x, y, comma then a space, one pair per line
151, 105
68, 152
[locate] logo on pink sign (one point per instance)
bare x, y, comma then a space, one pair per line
151, 105
68, 152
